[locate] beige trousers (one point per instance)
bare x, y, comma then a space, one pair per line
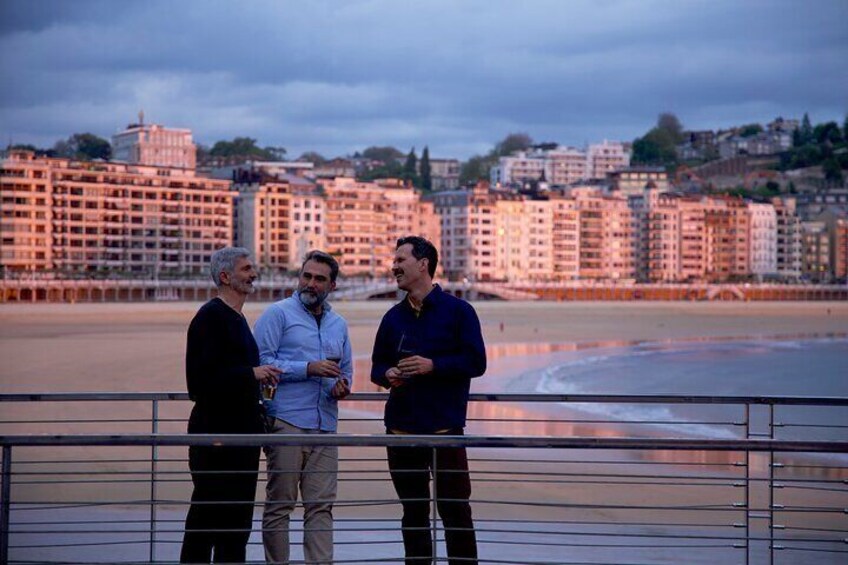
314, 471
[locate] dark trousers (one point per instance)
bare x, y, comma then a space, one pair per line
221, 513
411, 469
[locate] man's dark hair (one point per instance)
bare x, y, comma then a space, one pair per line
422, 249
326, 258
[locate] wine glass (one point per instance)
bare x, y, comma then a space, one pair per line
332, 351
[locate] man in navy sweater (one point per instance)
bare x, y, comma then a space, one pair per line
427, 350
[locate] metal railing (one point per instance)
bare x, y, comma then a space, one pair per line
569, 487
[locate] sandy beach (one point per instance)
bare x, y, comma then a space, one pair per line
140, 347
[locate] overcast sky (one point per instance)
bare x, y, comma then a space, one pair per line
337, 77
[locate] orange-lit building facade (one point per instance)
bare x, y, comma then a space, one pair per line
363, 221
67, 216
263, 220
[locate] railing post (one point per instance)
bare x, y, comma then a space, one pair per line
771, 487
435, 507
154, 457
747, 487
5, 503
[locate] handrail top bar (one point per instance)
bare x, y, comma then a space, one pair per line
382, 440
475, 397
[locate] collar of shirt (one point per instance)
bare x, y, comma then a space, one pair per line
432, 297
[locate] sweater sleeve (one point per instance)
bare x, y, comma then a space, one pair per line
469, 357
382, 356
212, 370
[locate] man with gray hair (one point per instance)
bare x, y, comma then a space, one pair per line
308, 341
223, 375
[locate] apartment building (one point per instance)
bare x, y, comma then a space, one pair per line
726, 230
537, 239
262, 219
469, 233
357, 221
840, 249
518, 169
444, 173
836, 222
511, 252
565, 166
606, 157
408, 215
663, 228
151, 144
606, 237
307, 224
815, 251
762, 239
565, 238
83, 217
787, 238
631, 181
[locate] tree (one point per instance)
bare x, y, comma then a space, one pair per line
392, 170
832, 171
750, 130
656, 148
383, 154
669, 122
202, 153
312, 157
84, 146
546, 145
426, 172
845, 129
246, 147
277, 153
806, 130
475, 169
827, 132
410, 168
512, 143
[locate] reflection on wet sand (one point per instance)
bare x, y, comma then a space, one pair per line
558, 420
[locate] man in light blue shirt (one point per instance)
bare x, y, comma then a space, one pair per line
309, 343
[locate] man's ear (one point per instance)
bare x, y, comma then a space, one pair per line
426, 265
225, 277
332, 286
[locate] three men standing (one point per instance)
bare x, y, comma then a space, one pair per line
223, 375
308, 342
427, 349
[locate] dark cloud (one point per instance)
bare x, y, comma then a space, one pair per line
339, 76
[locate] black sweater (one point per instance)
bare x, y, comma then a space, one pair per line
447, 332
220, 356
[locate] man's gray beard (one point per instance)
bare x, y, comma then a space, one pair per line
244, 288
311, 300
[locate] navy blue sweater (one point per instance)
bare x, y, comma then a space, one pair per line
447, 332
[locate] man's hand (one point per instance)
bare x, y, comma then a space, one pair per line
323, 368
267, 374
395, 377
415, 365
340, 390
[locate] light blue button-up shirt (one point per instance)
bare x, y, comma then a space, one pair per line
289, 338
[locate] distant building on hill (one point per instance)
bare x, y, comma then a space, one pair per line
151, 144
